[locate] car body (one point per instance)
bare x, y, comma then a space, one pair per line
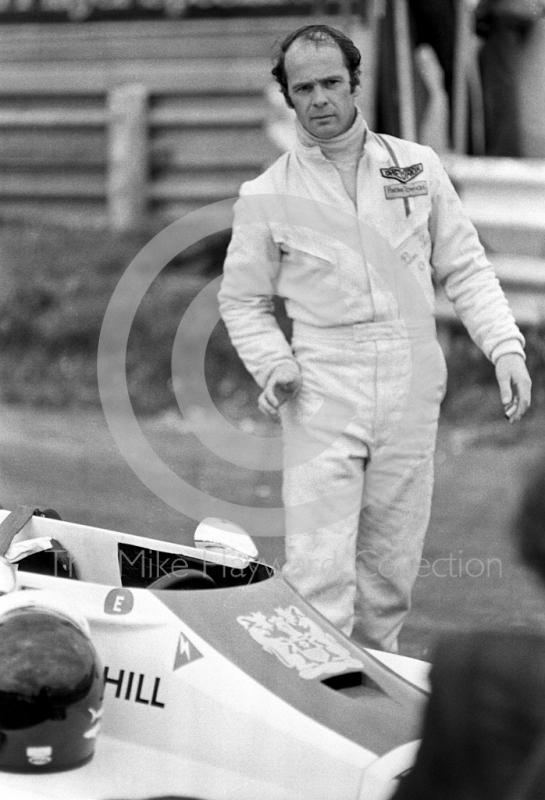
239, 691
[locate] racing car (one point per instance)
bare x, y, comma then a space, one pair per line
219, 681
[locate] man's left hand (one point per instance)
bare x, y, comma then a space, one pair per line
515, 385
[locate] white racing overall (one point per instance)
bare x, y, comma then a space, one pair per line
357, 280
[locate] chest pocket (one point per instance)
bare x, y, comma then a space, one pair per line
305, 245
311, 274
299, 261
307, 258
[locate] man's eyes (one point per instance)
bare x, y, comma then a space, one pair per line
308, 87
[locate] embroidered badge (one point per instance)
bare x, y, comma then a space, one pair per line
299, 643
393, 191
402, 174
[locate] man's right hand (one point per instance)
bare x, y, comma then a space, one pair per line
283, 384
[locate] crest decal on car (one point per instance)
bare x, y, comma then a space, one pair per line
299, 642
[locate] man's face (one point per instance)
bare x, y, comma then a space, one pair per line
319, 88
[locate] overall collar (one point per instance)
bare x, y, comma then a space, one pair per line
347, 145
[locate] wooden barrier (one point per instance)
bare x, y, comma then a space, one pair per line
128, 156
77, 146
109, 124
505, 198
133, 152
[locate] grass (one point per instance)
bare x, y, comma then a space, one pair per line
57, 283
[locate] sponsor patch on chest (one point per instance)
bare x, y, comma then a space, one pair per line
402, 174
393, 191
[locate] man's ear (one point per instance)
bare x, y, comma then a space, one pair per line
356, 90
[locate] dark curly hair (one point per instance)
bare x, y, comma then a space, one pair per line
320, 34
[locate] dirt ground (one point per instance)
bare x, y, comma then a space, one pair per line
470, 574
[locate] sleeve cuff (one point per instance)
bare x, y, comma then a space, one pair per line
263, 377
509, 346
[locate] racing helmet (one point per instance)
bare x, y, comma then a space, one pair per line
51, 684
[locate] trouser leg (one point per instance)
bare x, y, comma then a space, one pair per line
358, 571
322, 499
322, 489
389, 549
396, 504
323, 494
499, 59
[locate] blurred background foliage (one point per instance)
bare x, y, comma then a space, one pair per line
57, 283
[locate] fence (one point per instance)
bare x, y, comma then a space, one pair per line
99, 122
107, 122
142, 154
505, 198
113, 123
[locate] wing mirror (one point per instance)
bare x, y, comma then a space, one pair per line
222, 536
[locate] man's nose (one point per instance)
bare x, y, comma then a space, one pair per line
319, 97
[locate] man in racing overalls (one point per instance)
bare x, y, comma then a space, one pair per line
349, 227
